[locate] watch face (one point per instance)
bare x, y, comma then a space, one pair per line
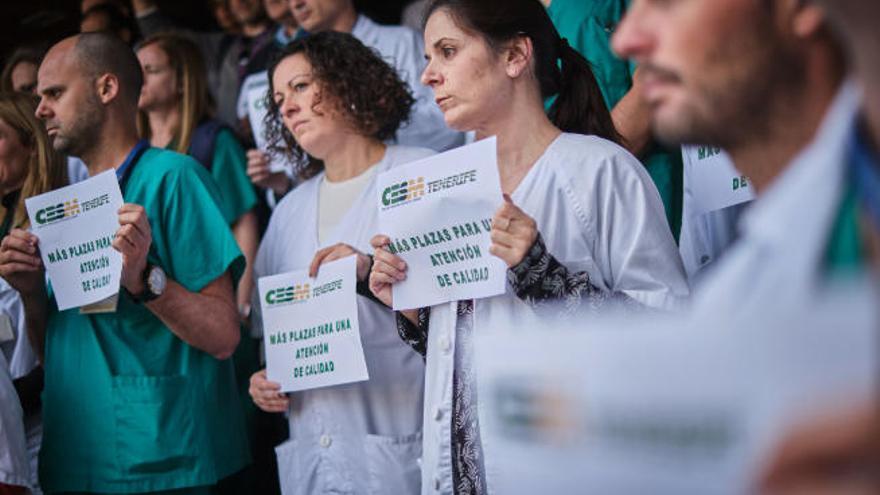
156, 280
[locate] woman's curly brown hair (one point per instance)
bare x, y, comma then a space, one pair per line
354, 80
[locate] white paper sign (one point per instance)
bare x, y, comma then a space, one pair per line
254, 92
310, 327
713, 181
664, 406
76, 225
438, 213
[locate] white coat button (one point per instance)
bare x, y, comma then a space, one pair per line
445, 344
438, 414
325, 441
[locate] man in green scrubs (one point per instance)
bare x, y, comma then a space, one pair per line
588, 27
142, 399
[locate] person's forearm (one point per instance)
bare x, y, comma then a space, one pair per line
36, 309
632, 118
246, 232
206, 320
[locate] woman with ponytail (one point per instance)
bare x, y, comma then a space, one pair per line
582, 223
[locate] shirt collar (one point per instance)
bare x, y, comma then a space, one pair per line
362, 27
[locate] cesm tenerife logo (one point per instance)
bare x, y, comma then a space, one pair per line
68, 209
299, 293
415, 189
404, 192
289, 295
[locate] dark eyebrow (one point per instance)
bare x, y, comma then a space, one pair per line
440, 42
55, 88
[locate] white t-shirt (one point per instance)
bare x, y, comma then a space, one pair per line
336, 198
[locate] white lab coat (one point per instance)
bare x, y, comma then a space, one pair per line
784, 234
361, 438
599, 212
20, 360
404, 50
14, 465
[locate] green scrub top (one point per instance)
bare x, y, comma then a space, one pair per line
845, 254
128, 406
588, 26
229, 169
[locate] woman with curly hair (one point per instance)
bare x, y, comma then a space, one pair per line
332, 102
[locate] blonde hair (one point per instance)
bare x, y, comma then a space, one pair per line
185, 59
47, 169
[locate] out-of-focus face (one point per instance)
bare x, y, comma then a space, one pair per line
468, 78
278, 11
160, 89
224, 18
69, 105
246, 11
24, 77
317, 128
13, 158
87, 4
94, 22
318, 15
705, 65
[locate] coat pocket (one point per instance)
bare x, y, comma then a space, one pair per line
393, 464
155, 428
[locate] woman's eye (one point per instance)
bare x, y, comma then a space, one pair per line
448, 51
300, 87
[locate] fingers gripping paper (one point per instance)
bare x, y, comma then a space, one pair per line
438, 214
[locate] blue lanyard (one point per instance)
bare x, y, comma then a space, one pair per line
865, 170
124, 171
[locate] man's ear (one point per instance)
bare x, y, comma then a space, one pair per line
805, 18
107, 87
518, 56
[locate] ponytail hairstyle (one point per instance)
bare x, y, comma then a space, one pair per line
561, 71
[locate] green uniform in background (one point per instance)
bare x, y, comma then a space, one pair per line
229, 169
128, 406
588, 26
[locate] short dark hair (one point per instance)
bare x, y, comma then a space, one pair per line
353, 78
102, 53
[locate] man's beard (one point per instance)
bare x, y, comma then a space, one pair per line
83, 133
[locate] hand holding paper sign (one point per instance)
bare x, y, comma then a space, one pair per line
437, 213
513, 233
259, 170
133, 240
267, 395
20, 263
77, 226
337, 252
387, 269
